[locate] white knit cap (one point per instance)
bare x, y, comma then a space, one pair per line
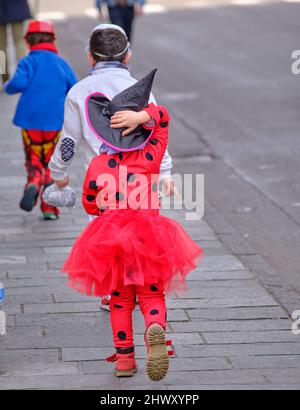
112, 27
109, 27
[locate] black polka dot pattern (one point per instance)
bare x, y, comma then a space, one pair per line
154, 142
90, 198
161, 114
149, 156
164, 124
116, 293
154, 312
121, 156
131, 177
93, 185
112, 163
67, 149
118, 306
153, 288
122, 335
119, 196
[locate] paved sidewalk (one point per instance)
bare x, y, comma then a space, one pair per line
228, 331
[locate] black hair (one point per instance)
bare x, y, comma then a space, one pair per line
37, 38
108, 42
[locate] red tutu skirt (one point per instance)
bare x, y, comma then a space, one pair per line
131, 248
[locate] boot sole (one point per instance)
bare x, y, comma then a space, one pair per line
158, 359
126, 373
29, 199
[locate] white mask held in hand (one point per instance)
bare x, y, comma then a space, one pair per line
60, 197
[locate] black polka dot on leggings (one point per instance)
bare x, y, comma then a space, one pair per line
90, 198
118, 306
161, 114
149, 156
112, 163
153, 288
116, 293
154, 312
122, 335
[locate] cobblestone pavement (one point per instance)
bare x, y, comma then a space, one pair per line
228, 331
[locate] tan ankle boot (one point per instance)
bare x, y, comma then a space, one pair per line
125, 364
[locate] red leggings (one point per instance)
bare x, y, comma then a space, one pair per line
153, 307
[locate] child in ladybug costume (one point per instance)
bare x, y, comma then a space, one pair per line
109, 54
130, 250
44, 80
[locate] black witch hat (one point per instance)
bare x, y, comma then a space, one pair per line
100, 110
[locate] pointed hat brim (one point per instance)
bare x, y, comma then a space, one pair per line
99, 110
99, 124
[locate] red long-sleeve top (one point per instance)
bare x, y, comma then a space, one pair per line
129, 180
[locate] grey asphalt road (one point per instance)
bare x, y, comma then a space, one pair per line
73, 7
225, 73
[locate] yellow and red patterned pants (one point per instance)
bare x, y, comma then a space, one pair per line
39, 147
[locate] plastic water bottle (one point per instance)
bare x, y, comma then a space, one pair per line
2, 313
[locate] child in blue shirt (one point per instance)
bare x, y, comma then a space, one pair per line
44, 80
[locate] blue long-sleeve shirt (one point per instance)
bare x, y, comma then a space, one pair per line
44, 80
112, 3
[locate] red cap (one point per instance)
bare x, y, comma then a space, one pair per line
40, 27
